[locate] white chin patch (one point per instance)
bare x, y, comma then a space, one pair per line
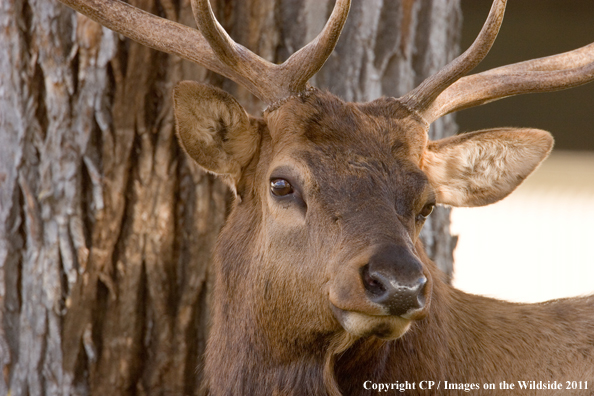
361, 325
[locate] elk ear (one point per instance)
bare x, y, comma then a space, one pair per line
214, 129
479, 168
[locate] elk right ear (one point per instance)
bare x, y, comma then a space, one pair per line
214, 129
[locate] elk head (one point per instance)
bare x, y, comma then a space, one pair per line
323, 239
333, 195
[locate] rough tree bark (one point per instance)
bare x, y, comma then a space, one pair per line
106, 228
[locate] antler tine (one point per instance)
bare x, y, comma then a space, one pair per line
220, 42
552, 73
306, 62
422, 96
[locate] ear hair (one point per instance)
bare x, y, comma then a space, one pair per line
480, 168
214, 129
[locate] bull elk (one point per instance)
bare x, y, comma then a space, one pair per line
322, 285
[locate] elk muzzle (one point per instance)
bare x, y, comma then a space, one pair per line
381, 292
394, 279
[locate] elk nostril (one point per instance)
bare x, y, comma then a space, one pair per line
371, 283
421, 287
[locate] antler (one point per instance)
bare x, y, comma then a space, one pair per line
553, 73
448, 91
215, 50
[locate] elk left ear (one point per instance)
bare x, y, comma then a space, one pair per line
214, 129
480, 168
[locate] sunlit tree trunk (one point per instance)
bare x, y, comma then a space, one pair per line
106, 227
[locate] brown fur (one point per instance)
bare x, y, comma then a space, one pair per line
290, 314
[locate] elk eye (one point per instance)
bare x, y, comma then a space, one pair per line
280, 187
425, 212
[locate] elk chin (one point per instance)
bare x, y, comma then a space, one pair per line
382, 326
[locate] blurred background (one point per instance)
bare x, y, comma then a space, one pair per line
538, 243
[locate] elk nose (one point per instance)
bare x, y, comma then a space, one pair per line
394, 279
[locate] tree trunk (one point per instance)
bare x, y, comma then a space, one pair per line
106, 227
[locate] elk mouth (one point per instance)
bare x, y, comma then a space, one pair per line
387, 327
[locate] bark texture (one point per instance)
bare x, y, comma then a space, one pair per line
106, 228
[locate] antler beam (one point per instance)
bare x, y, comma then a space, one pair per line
150, 30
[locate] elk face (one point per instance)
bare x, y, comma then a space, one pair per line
345, 198
333, 198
